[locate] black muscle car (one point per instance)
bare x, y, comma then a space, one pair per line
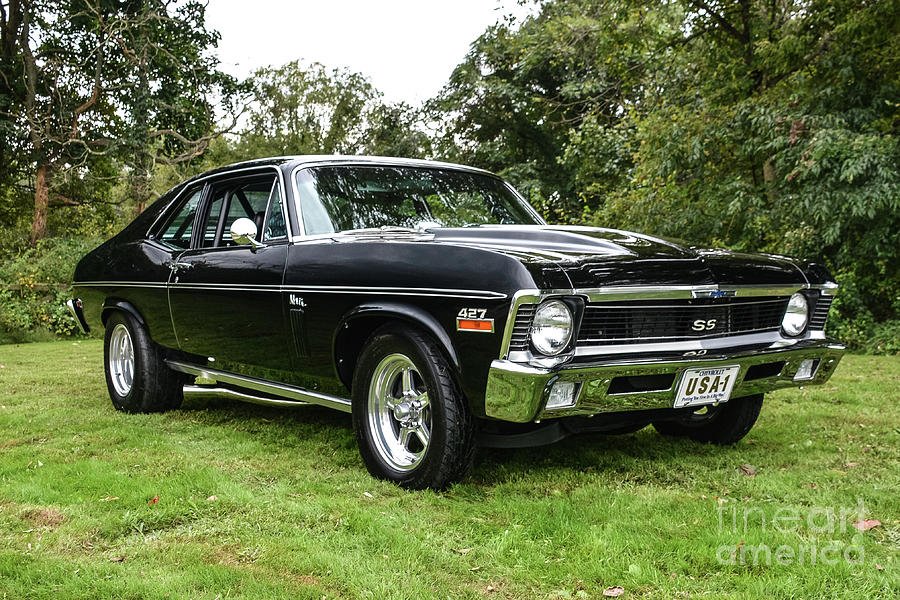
435, 305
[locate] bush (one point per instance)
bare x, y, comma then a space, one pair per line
34, 286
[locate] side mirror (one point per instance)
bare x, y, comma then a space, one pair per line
243, 232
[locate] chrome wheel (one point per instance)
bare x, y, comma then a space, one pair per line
121, 360
399, 413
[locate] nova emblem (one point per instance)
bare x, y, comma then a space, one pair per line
295, 300
701, 325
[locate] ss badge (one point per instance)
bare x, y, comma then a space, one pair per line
701, 325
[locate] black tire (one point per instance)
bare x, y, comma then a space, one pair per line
725, 424
153, 386
443, 417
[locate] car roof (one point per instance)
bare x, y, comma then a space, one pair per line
337, 159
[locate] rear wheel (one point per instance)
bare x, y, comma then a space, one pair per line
137, 377
412, 424
723, 424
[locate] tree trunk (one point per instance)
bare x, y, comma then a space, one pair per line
140, 188
41, 202
769, 179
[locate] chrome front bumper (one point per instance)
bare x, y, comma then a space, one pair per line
519, 393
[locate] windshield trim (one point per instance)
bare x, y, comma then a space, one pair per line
295, 192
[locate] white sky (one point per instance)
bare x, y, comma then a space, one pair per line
407, 48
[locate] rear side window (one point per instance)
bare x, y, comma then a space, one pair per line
178, 230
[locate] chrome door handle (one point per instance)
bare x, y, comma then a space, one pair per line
178, 266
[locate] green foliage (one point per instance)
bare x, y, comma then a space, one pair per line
34, 286
524, 90
308, 109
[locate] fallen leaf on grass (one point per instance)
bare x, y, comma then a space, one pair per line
748, 470
463, 550
154, 499
867, 524
735, 551
614, 591
117, 559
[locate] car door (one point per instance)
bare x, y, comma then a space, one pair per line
225, 298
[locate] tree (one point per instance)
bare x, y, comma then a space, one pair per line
396, 130
104, 87
300, 109
54, 58
170, 89
523, 89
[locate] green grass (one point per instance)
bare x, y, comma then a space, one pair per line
296, 515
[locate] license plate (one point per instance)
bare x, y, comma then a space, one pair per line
706, 385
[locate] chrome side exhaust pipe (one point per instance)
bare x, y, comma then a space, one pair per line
203, 392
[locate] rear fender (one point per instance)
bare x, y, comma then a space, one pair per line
111, 304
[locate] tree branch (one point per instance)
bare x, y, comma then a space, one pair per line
722, 21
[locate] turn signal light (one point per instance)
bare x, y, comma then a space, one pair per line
484, 325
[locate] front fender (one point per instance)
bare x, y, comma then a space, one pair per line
375, 313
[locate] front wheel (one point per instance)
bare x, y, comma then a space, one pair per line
137, 376
724, 424
412, 424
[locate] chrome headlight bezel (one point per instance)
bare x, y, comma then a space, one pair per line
552, 327
796, 315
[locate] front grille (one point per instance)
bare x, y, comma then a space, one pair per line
519, 339
677, 319
820, 313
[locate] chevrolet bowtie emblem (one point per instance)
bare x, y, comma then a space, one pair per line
714, 293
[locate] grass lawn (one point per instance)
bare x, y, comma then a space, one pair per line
263, 503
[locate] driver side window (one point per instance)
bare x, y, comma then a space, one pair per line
250, 198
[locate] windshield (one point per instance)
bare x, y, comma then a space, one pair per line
342, 198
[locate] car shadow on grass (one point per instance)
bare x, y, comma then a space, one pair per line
640, 456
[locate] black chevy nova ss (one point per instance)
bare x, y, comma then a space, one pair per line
431, 302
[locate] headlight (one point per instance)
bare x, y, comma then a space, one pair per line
551, 328
796, 315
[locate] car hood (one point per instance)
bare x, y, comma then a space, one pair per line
596, 257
